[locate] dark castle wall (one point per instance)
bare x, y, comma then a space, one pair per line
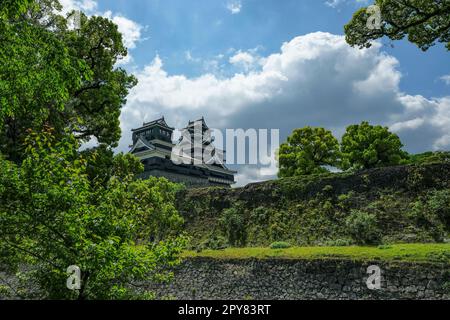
279, 279
189, 181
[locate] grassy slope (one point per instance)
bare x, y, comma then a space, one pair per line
431, 253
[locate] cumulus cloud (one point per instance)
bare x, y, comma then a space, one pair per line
242, 57
234, 6
246, 60
315, 79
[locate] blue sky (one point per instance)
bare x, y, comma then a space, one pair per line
275, 64
206, 28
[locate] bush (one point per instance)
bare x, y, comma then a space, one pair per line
280, 245
233, 223
338, 243
215, 242
439, 204
429, 157
433, 213
362, 227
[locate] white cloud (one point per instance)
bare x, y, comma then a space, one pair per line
87, 6
446, 79
234, 7
337, 3
242, 58
125, 61
315, 79
130, 30
249, 60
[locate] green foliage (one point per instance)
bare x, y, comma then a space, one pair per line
280, 245
439, 204
344, 201
365, 146
102, 164
338, 243
424, 22
429, 158
13, 8
312, 210
50, 75
52, 217
306, 151
362, 227
433, 213
215, 242
233, 224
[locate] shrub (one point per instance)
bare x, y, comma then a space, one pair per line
439, 204
362, 227
277, 230
280, 245
345, 200
429, 157
433, 213
338, 243
233, 224
215, 242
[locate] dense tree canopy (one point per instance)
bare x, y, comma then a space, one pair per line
424, 22
60, 207
51, 75
53, 217
365, 146
306, 151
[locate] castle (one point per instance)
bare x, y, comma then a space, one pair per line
152, 144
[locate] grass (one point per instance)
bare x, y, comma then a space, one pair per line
425, 253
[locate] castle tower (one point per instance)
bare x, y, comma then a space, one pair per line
152, 144
153, 139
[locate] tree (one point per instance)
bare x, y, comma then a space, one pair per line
425, 22
306, 151
51, 75
102, 164
53, 217
365, 146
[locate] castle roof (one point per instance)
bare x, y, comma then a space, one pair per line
159, 122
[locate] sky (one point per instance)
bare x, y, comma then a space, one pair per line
275, 64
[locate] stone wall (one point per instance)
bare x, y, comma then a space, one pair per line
189, 181
205, 278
